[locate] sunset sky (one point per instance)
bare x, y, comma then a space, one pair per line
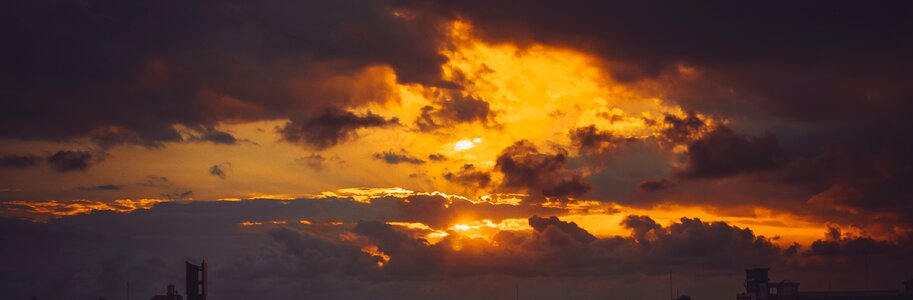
399, 149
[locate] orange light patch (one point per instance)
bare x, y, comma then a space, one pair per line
486, 228
411, 225
785, 227
374, 251
56, 208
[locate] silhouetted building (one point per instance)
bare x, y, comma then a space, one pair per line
172, 294
196, 281
759, 287
683, 297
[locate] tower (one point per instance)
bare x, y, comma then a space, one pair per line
196, 281
757, 283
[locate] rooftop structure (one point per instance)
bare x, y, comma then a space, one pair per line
172, 294
759, 287
196, 281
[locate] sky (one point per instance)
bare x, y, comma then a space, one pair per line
400, 149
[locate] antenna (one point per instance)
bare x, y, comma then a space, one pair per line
518, 291
867, 270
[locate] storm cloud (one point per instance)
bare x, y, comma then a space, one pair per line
331, 127
134, 78
722, 153
540, 174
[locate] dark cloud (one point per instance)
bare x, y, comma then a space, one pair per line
156, 181
469, 176
655, 185
177, 195
643, 228
328, 262
866, 171
440, 212
561, 248
723, 153
571, 228
395, 158
68, 161
454, 108
703, 243
590, 140
465, 109
838, 245
104, 187
682, 130
220, 170
436, 157
215, 136
799, 61
136, 78
316, 256
811, 76
331, 127
540, 174
413, 256
314, 161
19, 161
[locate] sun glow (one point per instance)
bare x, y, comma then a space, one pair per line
466, 144
486, 228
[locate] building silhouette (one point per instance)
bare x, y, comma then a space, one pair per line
759, 287
172, 294
196, 281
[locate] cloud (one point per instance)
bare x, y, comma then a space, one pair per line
177, 194
219, 170
215, 136
436, 157
702, 243
571, 228
723, 153
469, 176
314, 161
104, 187
454, 108
802, 70
68, 161
331, 127
19, 161
590, 140
329, 258
395, 158
683, 129
655, 185
847, 246
643, 228
268, 61
866, 171
156, 181
839, 247
540, 174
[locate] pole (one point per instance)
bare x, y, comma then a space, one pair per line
670, 286
867, 271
